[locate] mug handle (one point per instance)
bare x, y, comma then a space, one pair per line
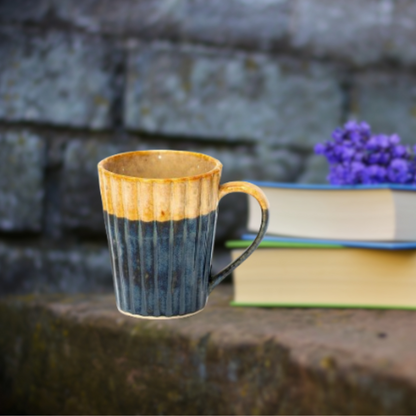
253, 190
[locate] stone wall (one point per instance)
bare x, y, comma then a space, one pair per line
253, 83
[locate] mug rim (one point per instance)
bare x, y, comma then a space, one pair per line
216, 169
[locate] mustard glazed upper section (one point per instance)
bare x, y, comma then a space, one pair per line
159, 185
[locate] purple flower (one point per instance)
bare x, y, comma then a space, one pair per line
374, 174
320, 149
398, 171
365, 129
355, 137
351, 125
394, 139
347, 154
374, 158
357, 170
382, 141
338, 135
384, 158
357, 156
372, 144
399, 151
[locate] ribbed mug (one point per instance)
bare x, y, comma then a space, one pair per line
160, 211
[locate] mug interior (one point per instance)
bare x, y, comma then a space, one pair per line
163, 164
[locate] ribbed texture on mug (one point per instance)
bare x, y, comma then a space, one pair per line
161, 268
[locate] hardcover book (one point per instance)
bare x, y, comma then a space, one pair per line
362, 212
321, 274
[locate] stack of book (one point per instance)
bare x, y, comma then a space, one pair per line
331, 246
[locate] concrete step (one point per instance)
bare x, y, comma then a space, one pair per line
77, 354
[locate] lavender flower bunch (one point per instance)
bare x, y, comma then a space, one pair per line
356, 156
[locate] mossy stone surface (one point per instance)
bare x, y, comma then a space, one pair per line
63, 354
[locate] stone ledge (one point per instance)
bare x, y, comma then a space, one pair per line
78, 355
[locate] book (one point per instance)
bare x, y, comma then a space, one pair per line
279, 241
274, 242
383, 212
324, 275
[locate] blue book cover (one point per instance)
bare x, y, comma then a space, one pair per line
379, 245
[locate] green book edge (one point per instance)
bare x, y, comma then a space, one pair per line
317, 305
276, 244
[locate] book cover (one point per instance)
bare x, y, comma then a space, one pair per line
325, 187
279, 241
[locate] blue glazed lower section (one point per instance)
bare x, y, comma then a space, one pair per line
161, 268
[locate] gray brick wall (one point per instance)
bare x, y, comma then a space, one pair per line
254, 83
388, 101
212, 94
22, 159
56, 78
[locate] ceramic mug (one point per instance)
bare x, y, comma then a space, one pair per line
160, 211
